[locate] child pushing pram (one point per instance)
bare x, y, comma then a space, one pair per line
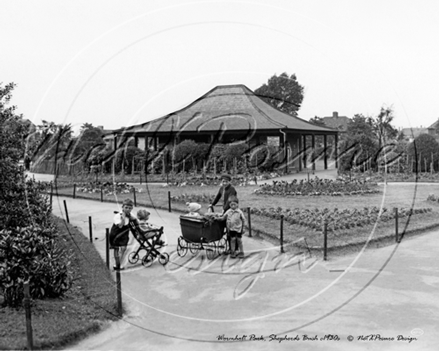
148, 236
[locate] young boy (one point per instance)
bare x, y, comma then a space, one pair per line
119, 233
226, 190
235, 221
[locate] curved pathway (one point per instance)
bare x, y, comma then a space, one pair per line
196, 304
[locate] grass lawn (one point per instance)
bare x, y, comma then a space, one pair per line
83, 310
403, 196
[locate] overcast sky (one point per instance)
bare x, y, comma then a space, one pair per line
118, 63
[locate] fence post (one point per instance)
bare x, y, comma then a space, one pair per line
67, 213
325, 240
281, 234
51, 194
249, 221
74, 191
101, 195
169, 201
107, 247
118, 290
27, 306
396, 212
90, 229
134, 196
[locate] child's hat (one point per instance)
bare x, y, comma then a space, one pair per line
128, 202
226, 176
143, 214
193, 206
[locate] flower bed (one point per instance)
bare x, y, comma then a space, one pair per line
425, 177
336, 219
317, 187
238, 180
107, 188
184, 198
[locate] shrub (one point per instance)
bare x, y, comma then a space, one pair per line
31, 254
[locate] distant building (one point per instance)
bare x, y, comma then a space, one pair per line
409, 134
337, 122
433, 130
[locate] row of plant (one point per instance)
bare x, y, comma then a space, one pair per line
199, 198
237, 180
336, 219
316, 187
108, 188
394, 177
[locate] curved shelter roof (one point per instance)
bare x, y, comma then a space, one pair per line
227, 107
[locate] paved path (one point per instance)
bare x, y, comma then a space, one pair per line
191, 302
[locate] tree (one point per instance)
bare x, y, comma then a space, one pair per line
382, 127
89, 139
358, 144
318, 121
282, 92
422, 151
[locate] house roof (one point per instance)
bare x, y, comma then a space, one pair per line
336, 122
226, 107
434, 125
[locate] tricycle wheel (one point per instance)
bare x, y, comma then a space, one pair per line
147, 261
133, 257
164, 258
182, 248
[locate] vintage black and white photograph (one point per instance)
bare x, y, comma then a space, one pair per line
219, 175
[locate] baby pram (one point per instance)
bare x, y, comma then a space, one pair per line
151, 242
202, 234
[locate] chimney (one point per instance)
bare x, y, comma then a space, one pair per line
335, 114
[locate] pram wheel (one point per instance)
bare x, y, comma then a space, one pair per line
147, 261
182, 248
194, 248
164, 258
211, 251
133, 257
222, 245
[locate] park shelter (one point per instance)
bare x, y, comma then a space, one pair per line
233, 113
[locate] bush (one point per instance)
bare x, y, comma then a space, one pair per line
31, 254
184, 153
27, 248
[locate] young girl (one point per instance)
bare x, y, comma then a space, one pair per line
193, 209
142, 218
235, 221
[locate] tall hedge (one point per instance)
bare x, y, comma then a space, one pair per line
28, 251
